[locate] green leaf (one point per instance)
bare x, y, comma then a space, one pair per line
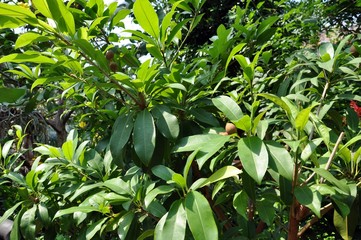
166, 122
163, 172
329, 177
347, 225
71, 210
277, 101
240, 203
68, 150
254, 157
94, 228
124, 224
245, 123
118, 186
310, 198
94, 54
229, 107
207, 144
310, 148
122, 129
27, 223
280, 159
147, 17
266, 24
85, 188
174, 225
223, 173
179, 180
303, 117
326, 51
163, 189
28, 38
16, 12
234, 51
200, 217
61, 15
44, 214
144, 136
43, 7
9, 212
28, 56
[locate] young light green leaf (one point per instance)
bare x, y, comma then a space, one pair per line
200, 217
28, 38
223, 173
28, 56
254, 157
229, 107
147, 17
174, 227
303, 117
144, 136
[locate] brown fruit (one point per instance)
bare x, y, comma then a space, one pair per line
353, 51
109, 55
231, 128
113, 66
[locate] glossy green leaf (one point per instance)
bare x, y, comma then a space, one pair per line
16, 12
144, 136
280, 159
223, 173
61, 14
27, 223
33, 57
310, 198
163, 172
9, 212
277, 101
6, 148
166, 122
266, 210
28, 38
234, 51
94, 54
43, 7
266, 24
68, 150
228, 107
117, 185
310, 148
254, 157
94, 228
200, 217
302, 118
240, 203
122, 129
147, 17
195, 142
85, 188
44, 214
124, 224
245, 123
163, 189
326, 51
347, 225
179, 180
174, 227
71, 210
329, 177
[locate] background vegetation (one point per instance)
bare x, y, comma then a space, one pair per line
213, 120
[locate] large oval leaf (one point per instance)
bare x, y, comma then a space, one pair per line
144, 136
200, 217
310, 198
167, 123
122, 129
281, 160
229, 107
254, 157
174, 226
147, 17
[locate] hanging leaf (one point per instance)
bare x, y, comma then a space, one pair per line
147, 17
254, 157
166, 122
229, 107
174, 225
200, 217
280, 159
27, 223
310, 198
122, 129
144, 136
124, 224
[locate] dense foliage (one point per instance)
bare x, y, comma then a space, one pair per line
203, 123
